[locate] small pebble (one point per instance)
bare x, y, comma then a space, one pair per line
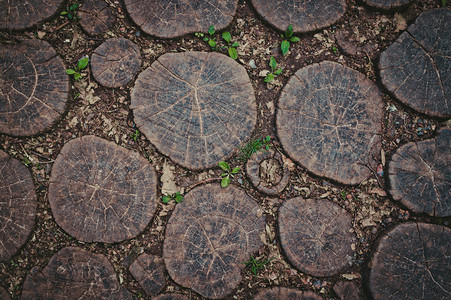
252, 64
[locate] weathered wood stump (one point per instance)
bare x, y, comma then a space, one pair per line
386, 4
285, 293
96, 16
348, 290
148, 270
4, 294
169, 296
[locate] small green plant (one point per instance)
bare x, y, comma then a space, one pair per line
82, 64
253, 146
334, 49
135, 135
26, 161
343, 194
288, 37
256, 265
443, 3
71, 11
274, 71
210, 39
228, 173
177, 197
233, 53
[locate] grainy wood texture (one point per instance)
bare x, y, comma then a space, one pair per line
34, 88
209, 236
348, 290
413, 261
329, 121
17, 203
169, 296
148, 270
386, 4
96, 16
195, 107
4, 294
285, 293
416, 68
101, 192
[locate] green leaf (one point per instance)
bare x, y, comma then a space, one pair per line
212, 43
285, 46
211, 30
74, 6
63, 13
70, 71
289, 31
178, 197
278, 71
77, 76
269, 77
166, 199
224, 165
206, 39
233, 53
235, 170
70, 16
225, 181
82, 63
235, 44
294, 39
226, 36
272, 63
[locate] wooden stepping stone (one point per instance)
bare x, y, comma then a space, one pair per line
18, 205
195, 107
169, 296
303, 15
286, 293
420, 174
74, 273
115, 62
34, 87
315, 236
209, 236
148, 270
267, 172
101, 192
176, 18
4, 294
386, 4
348, 290
329, 121
416, 67
413, 261
24, 14
96, 16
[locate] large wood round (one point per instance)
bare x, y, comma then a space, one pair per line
148, 270
21, 14
101, 192
315, 236
303, 15
17, 205
74, 273
209, 236
168, 19
329, 121
386, 4
34, 88
195, 107
96, 16
416, 68
413, 261
169, 296
285, 293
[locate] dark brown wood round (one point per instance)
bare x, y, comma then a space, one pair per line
96, 16
148, 270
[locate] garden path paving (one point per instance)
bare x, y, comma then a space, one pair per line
285, 293
96, 16
149, 272
386, 4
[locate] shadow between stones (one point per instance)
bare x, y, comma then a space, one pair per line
209, 236
412, 261
386, 4
416, 68
315, 236
34, 88
101, 192
18, 205
195, 107
329, 121
76, 274
286, 293
96, 16
148, 270
420, 175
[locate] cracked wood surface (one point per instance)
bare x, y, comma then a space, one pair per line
101, 192
412, 261
195, 107
416, 68
34, 88
209, 236
96, 16
420, 175
173, 18
329, 121
170, 296
115, 62
17, 205
315, 236
148, 270
386, 4
285, 293
74, 273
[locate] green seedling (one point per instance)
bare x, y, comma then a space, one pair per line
288, 37
274, 71
443, 3
71, 12
177, 197
210, 39
334, 49
26, 161
233, 53
135, 135
82, 64
253, 146
228, 173
256, 265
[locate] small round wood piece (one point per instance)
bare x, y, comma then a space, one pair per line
209, 236
348, 290
413, 261
286, 293
101, 192
96, 16
416, 68
18, 205
169, 296
76, 274
195, 107
34, 88
329, 121
115, 62
148, 270
169, 19
315, 236
386, 4
267, 172
303, 15
420, 173
24, 14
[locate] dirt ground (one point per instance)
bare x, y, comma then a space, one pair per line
357, 41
